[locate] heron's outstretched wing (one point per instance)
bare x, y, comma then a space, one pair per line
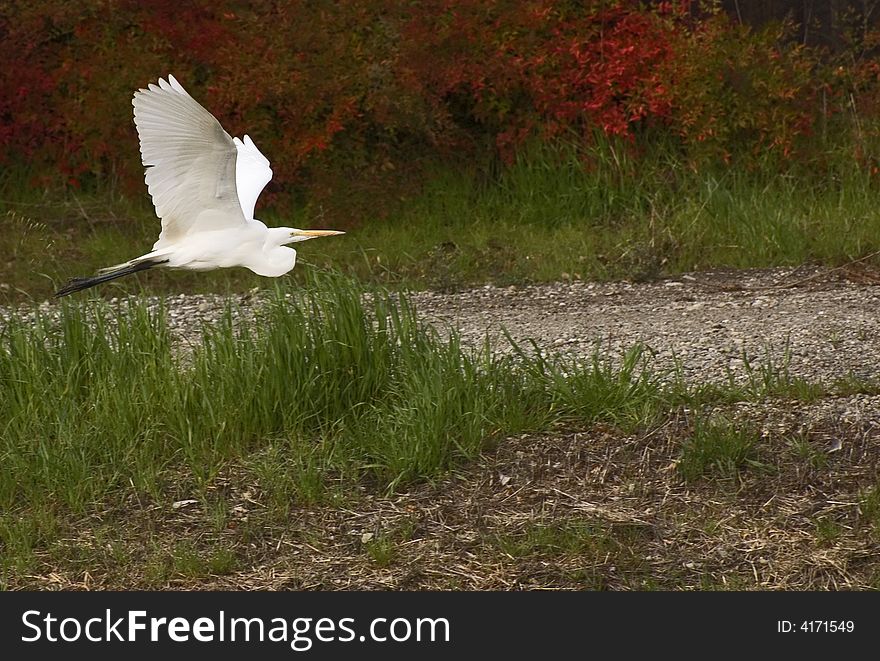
192, 163
252, 173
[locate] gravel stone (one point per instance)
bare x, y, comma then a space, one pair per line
820, 324
816, 323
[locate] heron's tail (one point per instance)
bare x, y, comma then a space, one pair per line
78, 284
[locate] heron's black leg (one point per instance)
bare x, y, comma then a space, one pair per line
78, 284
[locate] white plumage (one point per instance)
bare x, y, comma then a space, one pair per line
204, 186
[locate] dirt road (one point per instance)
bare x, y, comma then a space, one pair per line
824, 323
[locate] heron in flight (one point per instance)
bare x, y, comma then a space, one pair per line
204, 185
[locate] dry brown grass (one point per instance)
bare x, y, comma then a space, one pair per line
587, 509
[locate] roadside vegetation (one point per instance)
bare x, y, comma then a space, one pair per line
329, 395
544, 218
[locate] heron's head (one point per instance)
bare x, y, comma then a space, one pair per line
304, 235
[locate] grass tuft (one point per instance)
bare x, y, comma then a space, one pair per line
717, 447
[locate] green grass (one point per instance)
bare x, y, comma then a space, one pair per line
763, 379
717, 447
828, 531
185, 561
381, 550
334, 390
869, 509
329, 390
805, 451
325, 389
592, 545
322, 383
570, 537
546, 217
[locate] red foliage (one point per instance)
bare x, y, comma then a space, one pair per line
337, 92
733, 88
543, 67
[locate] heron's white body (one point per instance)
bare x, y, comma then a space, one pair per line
253, 246
204, 185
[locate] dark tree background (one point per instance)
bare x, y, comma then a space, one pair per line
824, 23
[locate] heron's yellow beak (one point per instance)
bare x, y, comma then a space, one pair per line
313, 234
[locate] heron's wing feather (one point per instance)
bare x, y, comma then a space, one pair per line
190, 159
252, 173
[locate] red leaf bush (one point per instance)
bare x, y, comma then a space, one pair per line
341, 95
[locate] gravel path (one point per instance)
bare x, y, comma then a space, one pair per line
824, 322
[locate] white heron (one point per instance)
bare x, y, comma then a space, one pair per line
204, 185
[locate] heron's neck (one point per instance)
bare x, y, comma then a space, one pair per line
277, 259
277, 236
